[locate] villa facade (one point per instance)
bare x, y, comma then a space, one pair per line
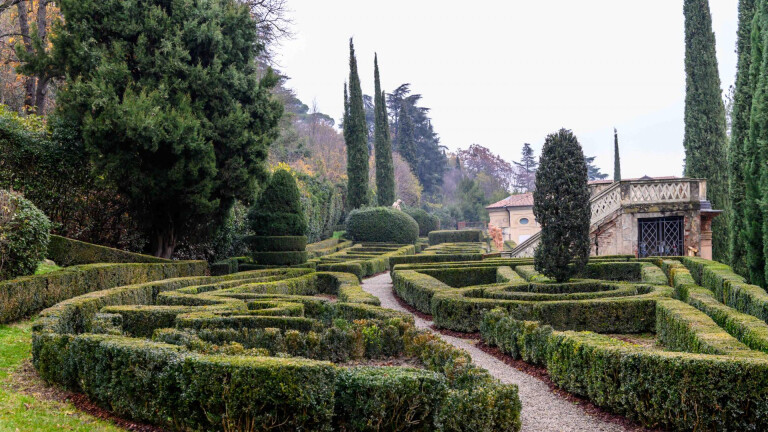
643, 217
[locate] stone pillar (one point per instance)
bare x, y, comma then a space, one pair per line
705, 239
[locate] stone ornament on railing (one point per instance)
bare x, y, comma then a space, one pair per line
657, 192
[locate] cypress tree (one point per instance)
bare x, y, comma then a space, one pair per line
278, 210
737, 163
561, 206
705, 135
356, 138
616, 160
754, 151
385, 168
406, 145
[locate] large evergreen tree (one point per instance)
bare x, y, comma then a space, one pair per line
616, 160
525, 178
168, 101
385, 168
356, 137
406, 145
737, 159
705, 135
755, 151
561, 206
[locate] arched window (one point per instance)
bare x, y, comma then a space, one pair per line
524, 221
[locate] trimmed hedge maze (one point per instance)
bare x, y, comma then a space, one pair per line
443, 252
704, 367
363, 259
281, 349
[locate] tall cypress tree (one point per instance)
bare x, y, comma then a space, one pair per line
385, 168
616, 160
561, 206
356, 138
406, 145
705, 136
754, 151
737, 163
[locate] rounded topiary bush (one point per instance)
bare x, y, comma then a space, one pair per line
24, 235
382, 224
427, 222
278, 210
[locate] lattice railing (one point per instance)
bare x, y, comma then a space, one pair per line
615, 197
670, 191
606, 202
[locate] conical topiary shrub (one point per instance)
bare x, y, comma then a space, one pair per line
278, 222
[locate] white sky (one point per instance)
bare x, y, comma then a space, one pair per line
504, 73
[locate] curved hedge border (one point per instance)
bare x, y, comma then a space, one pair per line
176, 381
457, 294
67, 252
364, 259
27, 295
711, 373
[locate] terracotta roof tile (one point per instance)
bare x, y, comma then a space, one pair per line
521, 200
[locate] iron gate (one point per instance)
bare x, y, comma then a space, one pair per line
660, 236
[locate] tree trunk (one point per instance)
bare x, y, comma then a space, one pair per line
42, 81
29, 82
165, 242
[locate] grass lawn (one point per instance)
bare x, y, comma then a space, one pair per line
22, 412
46, 268
338, 234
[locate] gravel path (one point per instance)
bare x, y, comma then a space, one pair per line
543, 411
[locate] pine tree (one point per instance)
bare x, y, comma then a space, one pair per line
616, 160
356, 138
705, 135
561, 206
406, 145
385, 168
737, 159
175, 115
526, 176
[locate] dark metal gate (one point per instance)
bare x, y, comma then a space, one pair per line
660, 236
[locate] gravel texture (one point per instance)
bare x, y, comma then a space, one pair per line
543, 410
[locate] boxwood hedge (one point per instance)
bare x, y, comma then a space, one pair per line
244, 351
706, 371
68, 252
382, 224
455, 236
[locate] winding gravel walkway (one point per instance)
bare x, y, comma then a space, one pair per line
543, 411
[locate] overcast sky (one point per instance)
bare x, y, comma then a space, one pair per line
501, 74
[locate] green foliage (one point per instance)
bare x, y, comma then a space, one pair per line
737, 157
50, 167
277, 243
381, 398
24, 235
472, 201
323, 204
27, 295
278, 210
385, 168
427, 222
406, 145
213, 369
68, 252
382, 224
455, 236
168, 101
561, 206
754, 152
705, 135
676, 382
356, 137
616, 159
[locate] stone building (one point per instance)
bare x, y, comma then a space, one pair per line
514, 215
646, 217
